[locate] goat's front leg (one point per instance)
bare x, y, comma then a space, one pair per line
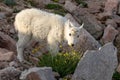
21, 44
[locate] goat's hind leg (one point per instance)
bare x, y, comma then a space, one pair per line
21, 44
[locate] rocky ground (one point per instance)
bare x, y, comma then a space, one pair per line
102, 25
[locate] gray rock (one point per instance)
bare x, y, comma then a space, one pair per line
111, 6
2, 15
9, 73
110, 9
103, 16
3, 64
92, 8
92, 25
70, 6
14, 64
86, 42
62, 1
46, 1
36, 73
117, 44
109, 34
7, 42
41, 3
118, 10
97, 65
6, 55
12, 30
116, 18
111, 22
6, 9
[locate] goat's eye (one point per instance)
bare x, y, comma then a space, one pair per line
70, 34
77, 36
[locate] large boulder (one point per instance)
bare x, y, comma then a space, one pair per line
36, 73
97, 65
86, 42
7, 42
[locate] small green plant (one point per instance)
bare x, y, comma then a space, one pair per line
53, 6
9, 2
64, 64
55, 0
57, 9
60, 12
79, 1
31, 2
116, 76
82, 3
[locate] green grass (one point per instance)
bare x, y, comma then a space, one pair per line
116, 76
78, 1
57, 9
64, 64
9, 2
60, 12
82, 3
55, 0
53, 6
31, 2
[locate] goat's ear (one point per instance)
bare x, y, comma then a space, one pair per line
68, 23
81, 26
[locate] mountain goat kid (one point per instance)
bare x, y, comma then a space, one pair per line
41, 25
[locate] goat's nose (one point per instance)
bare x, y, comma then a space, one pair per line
72, 45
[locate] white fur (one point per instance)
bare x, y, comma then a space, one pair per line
34, 23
